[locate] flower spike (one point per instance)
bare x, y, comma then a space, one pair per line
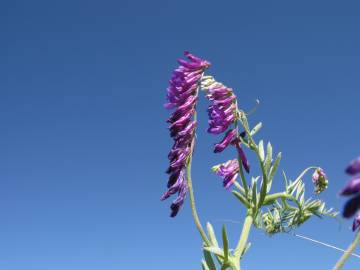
182, 95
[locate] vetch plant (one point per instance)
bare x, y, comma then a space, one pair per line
273, 212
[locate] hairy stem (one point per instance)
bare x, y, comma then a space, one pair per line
340, 263
191, 194
193, 206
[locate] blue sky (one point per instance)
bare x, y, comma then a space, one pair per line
84, 139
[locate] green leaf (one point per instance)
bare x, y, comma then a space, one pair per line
225, 243
268, 158
285, 180
261, 150
209, 260
263, 192
256, 129
241, 198
204, 265
211, 234
215, 250
254, 192
274, 168
247, 247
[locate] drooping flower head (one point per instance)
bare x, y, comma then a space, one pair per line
182, 95
320, 180
352, 188
228, 171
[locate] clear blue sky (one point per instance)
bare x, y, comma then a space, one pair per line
84, 141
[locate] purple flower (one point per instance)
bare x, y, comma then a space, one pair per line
244, 161
222, 111
356, 223
228, 171
352, 187
180, 187
182, 95
320, 180
351, 206
354, 167
229, 137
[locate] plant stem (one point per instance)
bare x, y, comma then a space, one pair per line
340, 263
244, 235
191, 194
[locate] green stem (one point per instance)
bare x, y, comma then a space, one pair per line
193, 206
280, 195
340, 263
191, 194
244, 235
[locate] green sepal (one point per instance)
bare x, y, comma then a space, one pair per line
241, 198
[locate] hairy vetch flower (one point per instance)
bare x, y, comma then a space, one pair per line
352, 187
320, 180
228, 171
229, 137
222, 111
180, 187
182, 95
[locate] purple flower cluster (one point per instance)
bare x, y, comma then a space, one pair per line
228, 171
182, 95
222, 111
352, 207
